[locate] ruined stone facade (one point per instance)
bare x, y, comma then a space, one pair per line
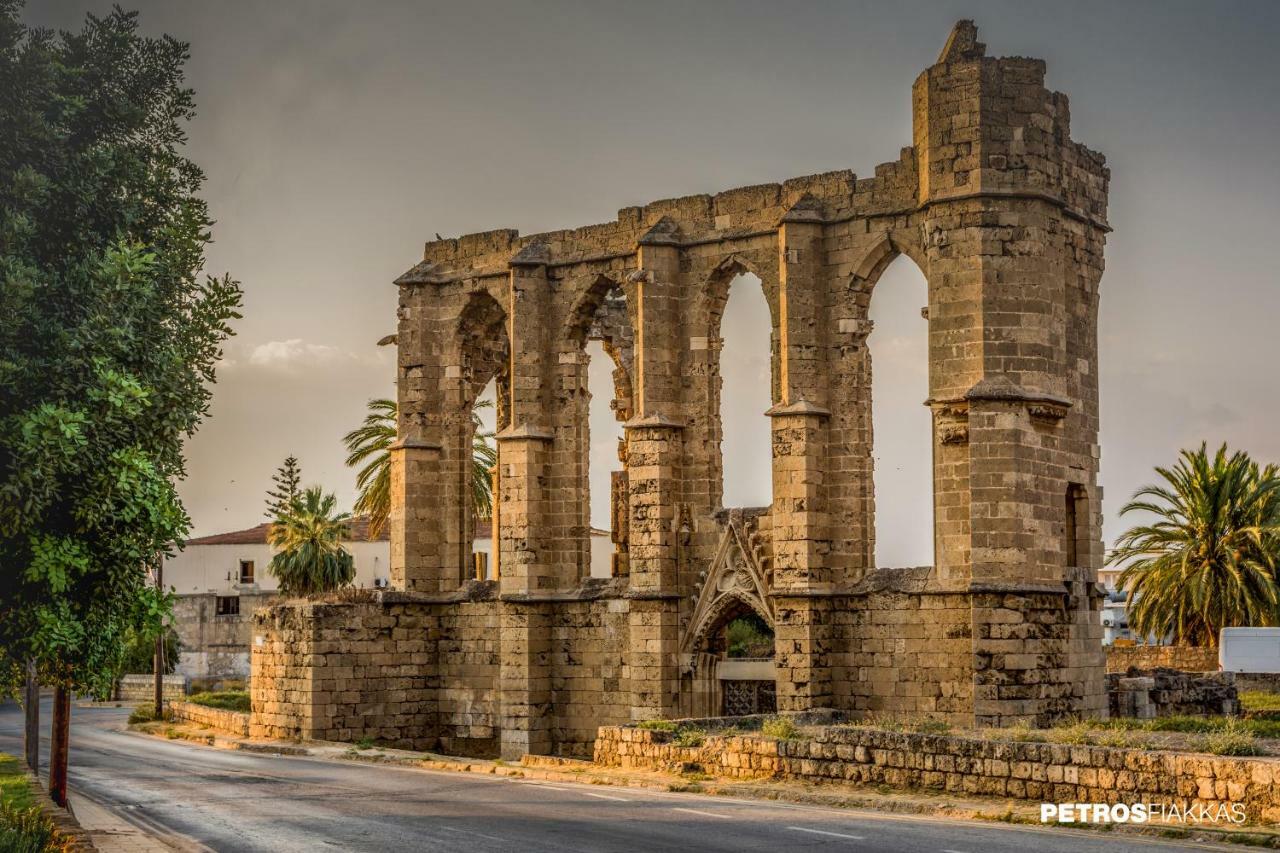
1006, 217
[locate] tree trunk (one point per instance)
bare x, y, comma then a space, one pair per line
32, 702
159, 661
58, 745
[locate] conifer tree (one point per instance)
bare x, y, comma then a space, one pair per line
285, 488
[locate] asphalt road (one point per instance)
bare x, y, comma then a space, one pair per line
235, 801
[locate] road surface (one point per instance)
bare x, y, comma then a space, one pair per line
237, 801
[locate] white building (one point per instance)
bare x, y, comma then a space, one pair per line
220, 580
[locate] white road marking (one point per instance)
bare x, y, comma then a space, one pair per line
476, 834
552, 787
832, 834
704, 814
953, 851
606, 797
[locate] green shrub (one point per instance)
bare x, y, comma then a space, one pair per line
783, 728
657, 725
27, 830
146, 713
23, 827
1234, 740
229, 700
933, 727
690, 737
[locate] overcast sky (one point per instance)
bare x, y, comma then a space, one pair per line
338, 136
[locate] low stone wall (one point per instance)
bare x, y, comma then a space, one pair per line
1267, 682
142, 688
1186, 658
1040, 772
232, 722
1147, 694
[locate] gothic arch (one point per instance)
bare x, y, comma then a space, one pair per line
735, 579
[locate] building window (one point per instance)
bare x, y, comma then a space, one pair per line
482, 565
246, 571
228, 605
1075, 515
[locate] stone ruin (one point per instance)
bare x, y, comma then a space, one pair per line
1005, 216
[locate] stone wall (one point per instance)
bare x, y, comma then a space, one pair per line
418, 673
1267, 682
232, 722
142, 688
1039, 772
1147, 694
345, 671
1185, 658
216, 646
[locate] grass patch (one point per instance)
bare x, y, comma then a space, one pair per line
1076, 734
657, 725
933, 727
1234, 739
23, 827
783, 728
364, 743
14, 790
228, 700
690, 737
146, 713
1259, 700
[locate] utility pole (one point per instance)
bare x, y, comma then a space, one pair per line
32, 703
59, 744
159, 661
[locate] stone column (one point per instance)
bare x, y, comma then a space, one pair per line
417, 550
654, 455
527, 574
800, 422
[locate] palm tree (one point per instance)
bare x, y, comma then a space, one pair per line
1209, 559
309, 535
370, 445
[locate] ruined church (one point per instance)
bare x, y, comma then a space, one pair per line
1003, 213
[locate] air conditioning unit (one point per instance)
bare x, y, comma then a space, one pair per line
1107, 623
379, 583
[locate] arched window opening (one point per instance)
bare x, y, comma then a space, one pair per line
484, 462
604, 456
746, 393
902, 434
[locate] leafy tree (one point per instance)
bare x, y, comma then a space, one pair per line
749, 636
137, 654
311, 558
108, 337
1208, 561
285, 483
370, 445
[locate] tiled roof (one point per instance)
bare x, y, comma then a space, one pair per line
358, 530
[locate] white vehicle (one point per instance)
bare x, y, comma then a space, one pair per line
1249, 650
